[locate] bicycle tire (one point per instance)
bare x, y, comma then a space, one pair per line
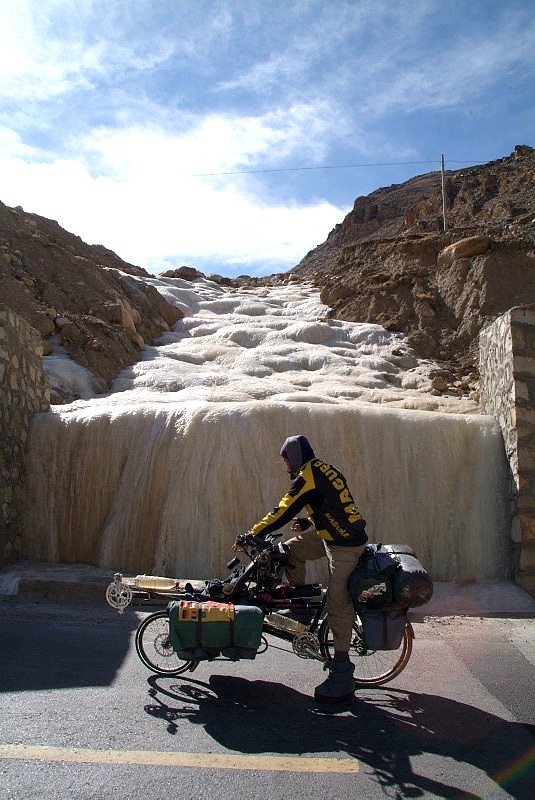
372, 667
154, 647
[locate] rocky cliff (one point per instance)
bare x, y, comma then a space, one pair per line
83, 299
392, 262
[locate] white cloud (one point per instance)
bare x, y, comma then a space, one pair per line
109, 110
458, 72
213, 143
12, 146
132, 190
33, 65
50, 48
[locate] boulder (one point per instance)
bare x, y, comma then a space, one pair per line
464, 248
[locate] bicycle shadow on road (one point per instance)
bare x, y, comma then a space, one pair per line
383, 731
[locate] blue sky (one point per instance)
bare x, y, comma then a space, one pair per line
233, 135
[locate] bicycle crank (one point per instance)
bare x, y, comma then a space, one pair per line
307, 645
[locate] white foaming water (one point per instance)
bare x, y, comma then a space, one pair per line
162, 474
275, 343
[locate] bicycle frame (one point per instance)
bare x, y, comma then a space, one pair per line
257, 583
123, 591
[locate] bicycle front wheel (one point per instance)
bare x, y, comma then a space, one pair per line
154, 647
372, 667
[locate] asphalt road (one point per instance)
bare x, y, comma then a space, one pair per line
81, 717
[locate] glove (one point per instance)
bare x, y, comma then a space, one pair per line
243, 538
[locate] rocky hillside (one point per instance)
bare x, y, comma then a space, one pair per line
390, 260
75, 295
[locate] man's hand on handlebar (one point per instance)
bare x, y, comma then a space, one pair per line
257, 541
243, 538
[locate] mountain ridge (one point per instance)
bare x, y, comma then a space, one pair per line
391, 262
388, 262
501, 191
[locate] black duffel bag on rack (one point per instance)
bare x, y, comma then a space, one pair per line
389, 575
412, 585
388, 580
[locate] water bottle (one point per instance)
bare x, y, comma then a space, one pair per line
285, 623
154, 583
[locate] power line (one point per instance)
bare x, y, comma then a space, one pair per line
326, 166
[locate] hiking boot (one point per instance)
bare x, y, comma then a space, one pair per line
340, 684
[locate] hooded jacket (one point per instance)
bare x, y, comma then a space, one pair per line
322, 491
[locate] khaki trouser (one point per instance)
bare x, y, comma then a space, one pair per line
308, 546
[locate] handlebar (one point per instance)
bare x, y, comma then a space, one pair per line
257, 541
121, 591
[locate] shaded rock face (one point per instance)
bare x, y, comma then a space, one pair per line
83, 299
390, 261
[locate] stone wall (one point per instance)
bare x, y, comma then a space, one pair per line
24, 389
507, 378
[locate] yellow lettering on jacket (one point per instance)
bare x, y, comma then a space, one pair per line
336, 525
344, 494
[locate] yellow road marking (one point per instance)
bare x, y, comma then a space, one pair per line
157, 758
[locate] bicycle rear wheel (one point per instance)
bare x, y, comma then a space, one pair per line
372, 667
154, 647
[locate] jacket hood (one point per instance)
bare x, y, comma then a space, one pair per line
298, 451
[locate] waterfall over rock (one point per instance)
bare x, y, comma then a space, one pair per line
160, 475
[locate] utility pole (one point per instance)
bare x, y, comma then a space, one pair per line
443, 194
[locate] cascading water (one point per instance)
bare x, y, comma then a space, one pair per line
160, 475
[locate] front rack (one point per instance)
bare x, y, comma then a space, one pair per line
122, 590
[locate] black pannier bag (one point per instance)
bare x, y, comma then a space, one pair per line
383, 630
411, 584
389, 577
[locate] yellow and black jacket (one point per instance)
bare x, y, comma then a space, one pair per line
322, 491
